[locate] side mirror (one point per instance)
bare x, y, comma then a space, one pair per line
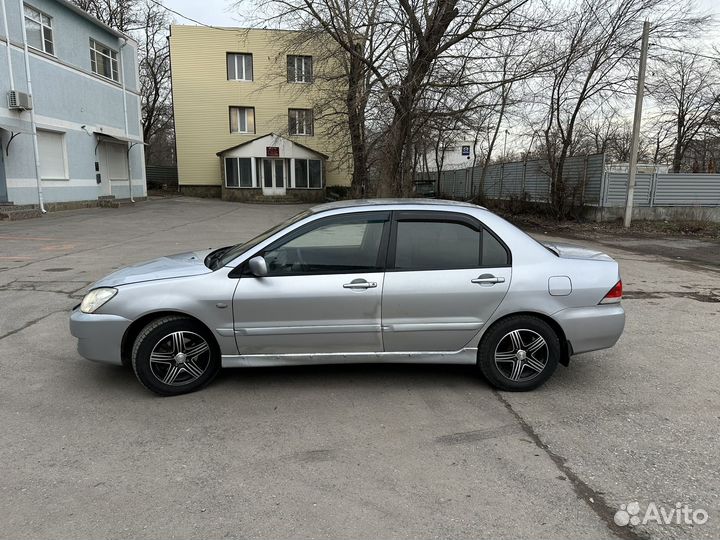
258, 266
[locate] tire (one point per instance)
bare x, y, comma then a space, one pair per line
175, 355
519, 353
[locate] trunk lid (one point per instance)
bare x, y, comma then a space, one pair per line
572, 251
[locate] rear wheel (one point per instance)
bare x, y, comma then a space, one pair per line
519, 353
175, 355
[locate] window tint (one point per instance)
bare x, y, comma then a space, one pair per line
436, 245
338, 245
493, 252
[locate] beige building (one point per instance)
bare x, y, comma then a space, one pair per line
245, 104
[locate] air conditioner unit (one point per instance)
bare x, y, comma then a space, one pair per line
19, 101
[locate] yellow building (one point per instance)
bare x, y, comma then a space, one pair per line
246, 116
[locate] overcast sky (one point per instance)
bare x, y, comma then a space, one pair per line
220, 13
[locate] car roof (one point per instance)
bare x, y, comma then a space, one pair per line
365, 203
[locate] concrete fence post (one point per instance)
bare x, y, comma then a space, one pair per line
653, 188
502, 174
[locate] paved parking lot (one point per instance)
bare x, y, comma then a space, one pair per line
349, 451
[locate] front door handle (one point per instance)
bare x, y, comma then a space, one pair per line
360, 284
488, 279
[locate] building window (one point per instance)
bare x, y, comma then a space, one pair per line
238, 172
300, 122
53, 161
242, 120
104, 61
300, 69
239, 67
38, 28
308, 173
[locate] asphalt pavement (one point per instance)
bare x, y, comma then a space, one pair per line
361, 451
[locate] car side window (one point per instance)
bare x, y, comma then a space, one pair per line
494, 254
339, 244
446, 244
436, 245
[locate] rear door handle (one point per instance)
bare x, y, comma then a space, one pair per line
488, 279
360, 284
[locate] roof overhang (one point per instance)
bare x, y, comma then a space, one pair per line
117, 138
275, 138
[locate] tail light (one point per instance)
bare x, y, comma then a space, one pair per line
614, 295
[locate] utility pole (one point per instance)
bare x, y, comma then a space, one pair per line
636, 124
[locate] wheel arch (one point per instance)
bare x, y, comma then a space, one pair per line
565, 350
132, 332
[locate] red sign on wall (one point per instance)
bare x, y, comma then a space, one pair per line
272, 151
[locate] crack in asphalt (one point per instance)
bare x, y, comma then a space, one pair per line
30, 323
594, 500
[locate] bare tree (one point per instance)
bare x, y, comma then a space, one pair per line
157, 117
148, 23
119, 14
687, 92
596, 49
403, 59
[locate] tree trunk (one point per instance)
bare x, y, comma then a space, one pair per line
355, 101
677, 156
394, 182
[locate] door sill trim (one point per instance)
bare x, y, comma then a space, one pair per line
463, 356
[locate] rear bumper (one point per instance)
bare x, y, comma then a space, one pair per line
592, 328
99, 336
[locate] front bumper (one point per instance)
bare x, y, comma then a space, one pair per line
592, 328
99, 335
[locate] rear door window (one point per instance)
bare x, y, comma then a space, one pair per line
423, 241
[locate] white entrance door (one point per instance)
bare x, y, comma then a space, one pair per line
274, 177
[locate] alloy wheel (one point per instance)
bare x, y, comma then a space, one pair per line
521, 355
180, 358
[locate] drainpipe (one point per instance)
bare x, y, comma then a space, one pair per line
129, 146
7, 49
26, 54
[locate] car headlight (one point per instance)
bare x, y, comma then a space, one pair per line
96, 298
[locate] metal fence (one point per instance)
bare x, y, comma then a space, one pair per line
157, 176
665, 189
530, 179
584, 175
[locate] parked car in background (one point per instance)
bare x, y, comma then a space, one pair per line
412, 281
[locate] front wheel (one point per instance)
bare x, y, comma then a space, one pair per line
519, 353
175, 355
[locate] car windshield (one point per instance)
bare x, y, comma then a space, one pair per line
221, 257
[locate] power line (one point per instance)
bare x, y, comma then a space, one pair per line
191, 19
716, 58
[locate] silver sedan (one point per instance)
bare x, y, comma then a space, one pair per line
358, 281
